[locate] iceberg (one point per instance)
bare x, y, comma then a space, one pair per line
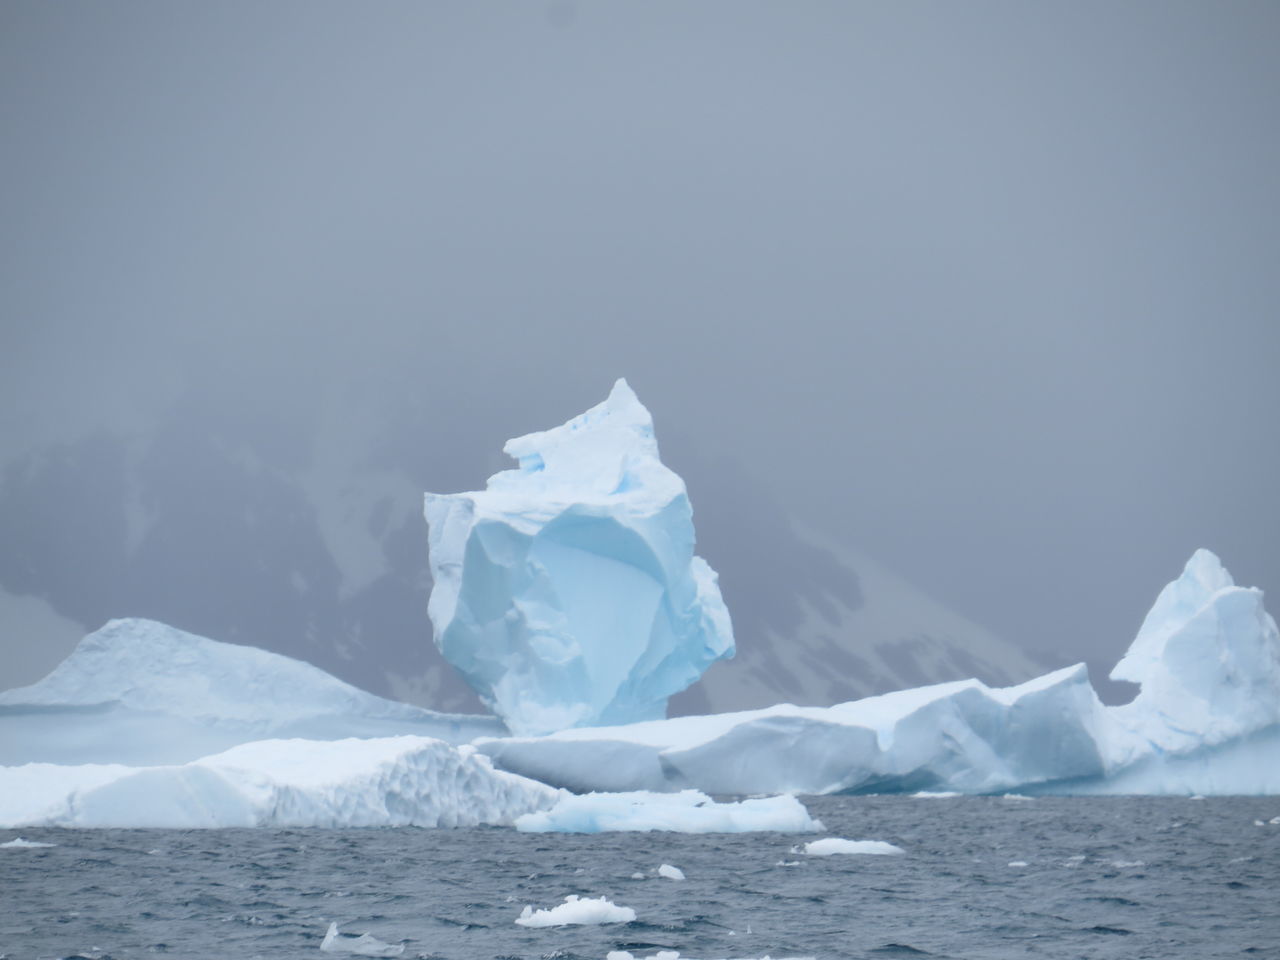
1206, 721
390, 781
140, 692
567, 592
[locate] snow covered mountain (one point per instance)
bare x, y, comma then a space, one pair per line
306, 538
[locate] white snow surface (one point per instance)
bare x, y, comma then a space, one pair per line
833, 845
1207, 721
365, 945
392, 781
685, 812
141, 692
567, 592
576, 910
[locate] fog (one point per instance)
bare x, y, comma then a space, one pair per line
987, 291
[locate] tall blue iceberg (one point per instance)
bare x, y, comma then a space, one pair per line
567, 592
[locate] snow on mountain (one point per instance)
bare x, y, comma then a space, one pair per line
329, 510
884, 636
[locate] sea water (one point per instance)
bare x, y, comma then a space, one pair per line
981, 877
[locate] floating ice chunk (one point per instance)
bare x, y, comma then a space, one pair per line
829, 845
1017, 863
576, 910
567, 592
18, 843
686, 812
938, 795
365, 945
670, 872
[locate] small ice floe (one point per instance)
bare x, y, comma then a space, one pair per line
1127, 864
829, 845
576, 910
1017, 863
934, 795
670, 872
18, 843
672, 955
688, 811
1274, 821
787, 863
364, 945
637, 876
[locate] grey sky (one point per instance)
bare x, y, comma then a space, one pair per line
987, 289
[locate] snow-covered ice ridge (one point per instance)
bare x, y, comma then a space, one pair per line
1206, 721
567, 592
141, 692
388, 781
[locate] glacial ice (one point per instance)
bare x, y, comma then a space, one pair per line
141, 692
1206, 721
576, 910
567, 592
686, 812
391, 781
365, 945
833, 845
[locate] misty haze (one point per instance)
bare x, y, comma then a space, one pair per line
908, 356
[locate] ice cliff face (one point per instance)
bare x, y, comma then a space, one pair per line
1207, 721
376, 782
567, 592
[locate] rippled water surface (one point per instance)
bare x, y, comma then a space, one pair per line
1103, 877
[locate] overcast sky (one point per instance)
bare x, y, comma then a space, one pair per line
988, 290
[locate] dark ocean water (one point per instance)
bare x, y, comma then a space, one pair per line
1103, 877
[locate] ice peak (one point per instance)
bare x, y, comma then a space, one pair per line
1207, 657
1202, 579
567, 592
607, 451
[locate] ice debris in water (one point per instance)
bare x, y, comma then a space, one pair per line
829, 845
675, 955
688, 811
670, 872
365, 945
576, 909
567, 592
18, 843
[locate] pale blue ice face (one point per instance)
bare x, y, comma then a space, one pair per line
567, 593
